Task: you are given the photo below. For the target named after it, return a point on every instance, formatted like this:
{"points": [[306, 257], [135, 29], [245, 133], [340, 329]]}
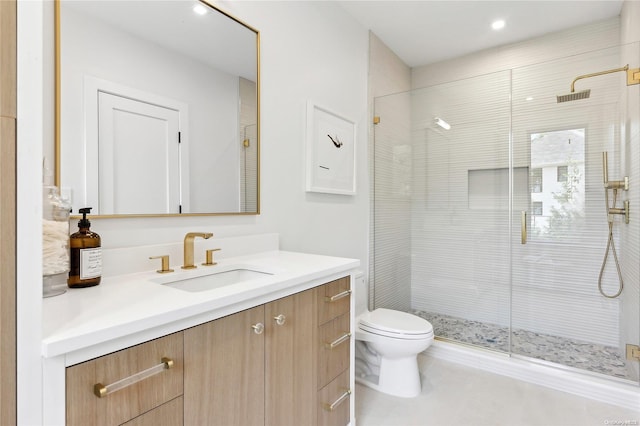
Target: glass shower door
{"points": [[559, 220], [441, 239]]}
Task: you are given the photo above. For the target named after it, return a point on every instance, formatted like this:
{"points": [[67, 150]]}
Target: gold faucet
{"points": [[188, 247]]}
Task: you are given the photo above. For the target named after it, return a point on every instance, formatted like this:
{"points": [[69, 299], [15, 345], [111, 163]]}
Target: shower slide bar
{"points": [[612, 210], [614, 185]]}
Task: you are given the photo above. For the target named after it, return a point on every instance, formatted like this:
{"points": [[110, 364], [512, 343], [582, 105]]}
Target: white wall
{"points": [[309, 50]]}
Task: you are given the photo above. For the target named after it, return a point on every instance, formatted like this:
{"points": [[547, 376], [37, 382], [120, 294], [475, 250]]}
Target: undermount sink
{"points": [[213, 280]]}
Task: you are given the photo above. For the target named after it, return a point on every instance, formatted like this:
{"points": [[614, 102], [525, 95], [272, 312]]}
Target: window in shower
{"points": [[557, 187]]}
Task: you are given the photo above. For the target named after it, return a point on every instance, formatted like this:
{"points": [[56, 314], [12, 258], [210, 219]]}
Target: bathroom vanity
{"points": [[268, 349]]}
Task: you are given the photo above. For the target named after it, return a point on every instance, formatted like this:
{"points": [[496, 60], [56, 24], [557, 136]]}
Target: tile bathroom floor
{"points": [[457, 395]]}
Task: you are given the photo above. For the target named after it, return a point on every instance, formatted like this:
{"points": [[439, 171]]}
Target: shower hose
{"points": [[610, 247]]}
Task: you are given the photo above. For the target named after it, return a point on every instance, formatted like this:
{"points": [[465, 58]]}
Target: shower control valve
{"points": [[618, 184], [623, 211]]}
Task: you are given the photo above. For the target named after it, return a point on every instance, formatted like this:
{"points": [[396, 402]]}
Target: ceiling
{"points": [[421, 32]]}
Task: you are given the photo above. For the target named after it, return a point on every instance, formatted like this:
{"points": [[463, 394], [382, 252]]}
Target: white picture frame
{"points": [[331, 152]]}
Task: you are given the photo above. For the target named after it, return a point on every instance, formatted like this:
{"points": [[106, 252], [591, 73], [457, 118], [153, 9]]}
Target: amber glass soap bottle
{"points": [[85, 255]]}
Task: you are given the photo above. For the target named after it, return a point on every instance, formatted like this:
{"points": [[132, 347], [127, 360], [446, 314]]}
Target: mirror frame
{"points": [[58, 110]]}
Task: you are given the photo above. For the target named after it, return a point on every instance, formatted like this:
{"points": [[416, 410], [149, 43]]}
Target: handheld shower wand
{"points": [[614, 186]]}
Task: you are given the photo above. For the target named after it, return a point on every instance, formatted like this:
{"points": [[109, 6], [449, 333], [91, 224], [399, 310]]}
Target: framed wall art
{"points": [[331, 152]]}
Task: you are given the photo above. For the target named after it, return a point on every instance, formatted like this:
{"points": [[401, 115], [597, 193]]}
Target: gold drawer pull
{"points": [[338, 341], [337, 402], [101, 390], [337, 296]]}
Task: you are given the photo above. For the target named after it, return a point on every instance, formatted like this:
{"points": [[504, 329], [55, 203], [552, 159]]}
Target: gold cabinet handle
{"points": [[344, 338], [337, 296], [280, 319], [101, 390], [523, 227], [258, 328], [337, 402]]}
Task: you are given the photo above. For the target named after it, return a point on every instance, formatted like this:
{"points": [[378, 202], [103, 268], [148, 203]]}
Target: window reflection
{"points": [[556, 183]]}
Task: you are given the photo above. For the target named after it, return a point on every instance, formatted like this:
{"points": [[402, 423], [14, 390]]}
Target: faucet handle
{"points": [[165, 264], [209, 261]]}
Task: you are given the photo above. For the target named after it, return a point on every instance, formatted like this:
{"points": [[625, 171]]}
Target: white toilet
{"points": [[387, 346]]}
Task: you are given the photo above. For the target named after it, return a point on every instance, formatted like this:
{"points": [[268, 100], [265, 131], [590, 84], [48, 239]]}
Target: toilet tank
{"points": [[362, 293]]}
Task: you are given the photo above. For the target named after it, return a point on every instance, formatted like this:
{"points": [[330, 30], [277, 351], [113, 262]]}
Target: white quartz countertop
{"points": [[131, 304]]}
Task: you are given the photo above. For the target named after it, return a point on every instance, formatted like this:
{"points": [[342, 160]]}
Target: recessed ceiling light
{"points": [[199, 9], [498, 25]]}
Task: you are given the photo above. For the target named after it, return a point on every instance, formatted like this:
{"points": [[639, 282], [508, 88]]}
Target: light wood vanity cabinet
{"points": [[282, 363], [255, 367], [272, 365], [224, 371], [334, 352], [140, 398]]}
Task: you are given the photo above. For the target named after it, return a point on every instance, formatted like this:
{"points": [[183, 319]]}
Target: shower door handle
{"points": [[523, 227]]}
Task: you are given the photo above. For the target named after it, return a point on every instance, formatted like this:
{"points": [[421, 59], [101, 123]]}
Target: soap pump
{"points": [[86, 255]]}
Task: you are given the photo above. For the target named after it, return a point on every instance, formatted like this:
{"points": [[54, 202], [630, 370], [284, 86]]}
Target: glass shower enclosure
{"points": [[490, 216]]}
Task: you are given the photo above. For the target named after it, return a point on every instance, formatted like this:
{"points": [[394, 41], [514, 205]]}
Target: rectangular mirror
{"points": [[157, 108]]}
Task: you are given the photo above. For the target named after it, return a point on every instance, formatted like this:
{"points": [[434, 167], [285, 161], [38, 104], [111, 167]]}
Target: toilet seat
{"points": [[396, 324]]}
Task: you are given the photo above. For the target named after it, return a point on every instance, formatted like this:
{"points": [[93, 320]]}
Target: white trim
{"points": [[34, 18], [584, 385]]}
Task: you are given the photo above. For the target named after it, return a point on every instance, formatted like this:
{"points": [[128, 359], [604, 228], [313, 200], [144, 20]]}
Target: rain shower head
{"points": [[633, 77], [573, 96]]}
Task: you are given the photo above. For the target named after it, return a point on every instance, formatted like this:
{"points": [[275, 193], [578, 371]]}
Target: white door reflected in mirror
{"points": [[139, 152]]}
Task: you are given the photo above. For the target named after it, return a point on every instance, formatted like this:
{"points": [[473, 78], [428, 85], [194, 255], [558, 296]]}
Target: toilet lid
{"points": [[397, 324]]}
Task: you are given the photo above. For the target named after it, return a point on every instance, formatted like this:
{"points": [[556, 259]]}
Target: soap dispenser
{"points": [[86, 255]]}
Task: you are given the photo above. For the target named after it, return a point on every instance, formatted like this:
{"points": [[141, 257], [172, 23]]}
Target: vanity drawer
{"points": [[141, 370], [333, 402], [168, 414], [334, 338], [334, 299]]}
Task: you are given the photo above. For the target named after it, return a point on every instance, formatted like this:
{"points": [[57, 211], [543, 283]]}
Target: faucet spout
{"points": [[188, 247]]}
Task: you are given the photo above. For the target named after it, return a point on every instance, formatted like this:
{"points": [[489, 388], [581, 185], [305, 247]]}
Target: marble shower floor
{"points": [[573, 353]]}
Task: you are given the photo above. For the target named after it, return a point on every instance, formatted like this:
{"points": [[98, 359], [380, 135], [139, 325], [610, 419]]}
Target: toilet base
{"points": [[398, 377]]}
